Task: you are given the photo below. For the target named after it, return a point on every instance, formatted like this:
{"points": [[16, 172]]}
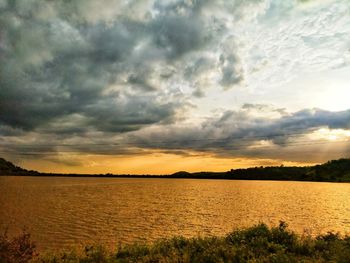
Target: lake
{"points": [[61, 212]]}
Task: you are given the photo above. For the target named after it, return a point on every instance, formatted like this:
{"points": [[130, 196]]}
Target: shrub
{"points": [[18, 249], [255, 244]]}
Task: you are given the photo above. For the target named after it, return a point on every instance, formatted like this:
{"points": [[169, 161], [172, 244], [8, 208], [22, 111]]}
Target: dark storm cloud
{"points": [[139, 81], [177, 35], [97, 76], [232, 134], [61, 58], [239, 130], [112, 43], [59, 66], [306, 119], [129, 115]]}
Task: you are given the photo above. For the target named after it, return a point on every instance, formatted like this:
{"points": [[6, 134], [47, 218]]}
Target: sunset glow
{"points": [[153, 87], [174, 131]]}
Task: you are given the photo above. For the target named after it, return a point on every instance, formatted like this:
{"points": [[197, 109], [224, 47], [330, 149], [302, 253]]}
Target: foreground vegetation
{"points": [[256, 244]]}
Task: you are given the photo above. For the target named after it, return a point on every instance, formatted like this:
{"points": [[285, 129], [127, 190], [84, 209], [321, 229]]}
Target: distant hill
{"points": [[332, 171], [8, 168]]}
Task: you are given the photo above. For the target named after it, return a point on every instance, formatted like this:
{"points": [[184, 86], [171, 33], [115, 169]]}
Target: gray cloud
{"points": [[239, 133], [230, 74], [60, 66], [177, 35], [90, 71], [235, 132], [62, 58]]}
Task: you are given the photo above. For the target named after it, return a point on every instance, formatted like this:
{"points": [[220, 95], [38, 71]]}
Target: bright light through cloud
{"points": [[336, 92], [225, 79], [331, 135]]}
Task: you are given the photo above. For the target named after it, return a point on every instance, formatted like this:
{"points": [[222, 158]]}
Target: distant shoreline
{"points": [[162, 177], [332, 171]]}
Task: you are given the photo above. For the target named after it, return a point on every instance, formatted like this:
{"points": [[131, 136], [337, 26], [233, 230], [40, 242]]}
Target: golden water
{"points": [[63, 212]]}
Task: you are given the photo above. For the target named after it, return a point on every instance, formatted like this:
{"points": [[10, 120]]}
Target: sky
{"points": [[159, 86]]}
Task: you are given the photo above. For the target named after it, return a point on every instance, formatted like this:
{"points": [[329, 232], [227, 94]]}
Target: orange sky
{"points": [[154, 163], [165, 86]]}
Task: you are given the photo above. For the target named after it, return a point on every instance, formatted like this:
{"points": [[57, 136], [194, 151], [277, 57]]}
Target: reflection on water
{"points": [[64, 212]]}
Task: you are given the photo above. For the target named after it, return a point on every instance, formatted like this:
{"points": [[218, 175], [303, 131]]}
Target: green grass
{"points": [[255, 244]]}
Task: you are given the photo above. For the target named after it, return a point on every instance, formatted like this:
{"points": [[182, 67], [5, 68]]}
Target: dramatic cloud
{"points": [[137, 74], [254, 130], [232, 128], [60, 66]]}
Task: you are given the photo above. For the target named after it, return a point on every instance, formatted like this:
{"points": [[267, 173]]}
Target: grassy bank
{"points": [[255, 244]]}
